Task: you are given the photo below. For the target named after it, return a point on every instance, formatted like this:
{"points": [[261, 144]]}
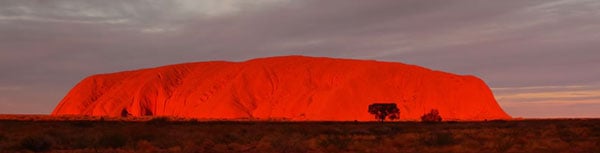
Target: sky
{"points": [[541, 58]]}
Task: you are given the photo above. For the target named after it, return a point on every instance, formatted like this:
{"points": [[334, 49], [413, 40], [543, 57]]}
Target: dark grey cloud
{"points": [[48, 46]]}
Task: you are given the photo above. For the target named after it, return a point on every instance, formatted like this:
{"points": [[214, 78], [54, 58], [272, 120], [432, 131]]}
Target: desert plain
{"points": [[40, 133]]}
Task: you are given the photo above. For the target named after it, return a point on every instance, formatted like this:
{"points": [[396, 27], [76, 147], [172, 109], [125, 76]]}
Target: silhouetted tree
{"points": [[432, 116], [384, 110]]}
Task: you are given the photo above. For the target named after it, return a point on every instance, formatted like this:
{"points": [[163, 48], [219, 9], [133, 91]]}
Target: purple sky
{"points": [[540, 57]]}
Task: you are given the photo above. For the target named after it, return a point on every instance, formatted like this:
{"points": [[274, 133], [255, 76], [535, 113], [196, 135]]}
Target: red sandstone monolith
{"points": [[291, 87]]}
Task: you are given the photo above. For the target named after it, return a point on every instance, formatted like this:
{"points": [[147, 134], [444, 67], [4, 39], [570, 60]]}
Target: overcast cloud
{"points": [[540, 57]]}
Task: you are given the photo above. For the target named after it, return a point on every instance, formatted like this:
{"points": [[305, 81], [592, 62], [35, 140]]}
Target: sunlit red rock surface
{"points": [[291, 88]]}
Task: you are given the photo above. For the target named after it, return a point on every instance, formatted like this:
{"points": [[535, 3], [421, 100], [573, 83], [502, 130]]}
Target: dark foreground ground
{"points": [[161, 135]]}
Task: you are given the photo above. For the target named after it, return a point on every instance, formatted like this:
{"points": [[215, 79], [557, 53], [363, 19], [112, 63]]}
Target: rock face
{"points": [[290, 87]]}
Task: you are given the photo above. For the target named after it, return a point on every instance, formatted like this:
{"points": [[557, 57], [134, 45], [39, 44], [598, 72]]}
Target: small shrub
{"points": [[338, 141], [2, 137], [80, 142], [227, 138], [192, 122], [82, 124], [438, 139], [37, 143], [63, 139], [360, 132], [596, 131], [504, 143], [149, 133], [246, 137], [112, 140], [432, 117], [568, 135], [145, 146], [289, 143], [167, 141], [159, 121], [332, 131], [498, 121], [381, 130]]}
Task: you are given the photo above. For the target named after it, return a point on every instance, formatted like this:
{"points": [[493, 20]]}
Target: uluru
{"points": [[296, 88]]}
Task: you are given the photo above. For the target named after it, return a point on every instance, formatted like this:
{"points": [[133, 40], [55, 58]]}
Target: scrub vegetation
{"points": [[165, 135]]}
